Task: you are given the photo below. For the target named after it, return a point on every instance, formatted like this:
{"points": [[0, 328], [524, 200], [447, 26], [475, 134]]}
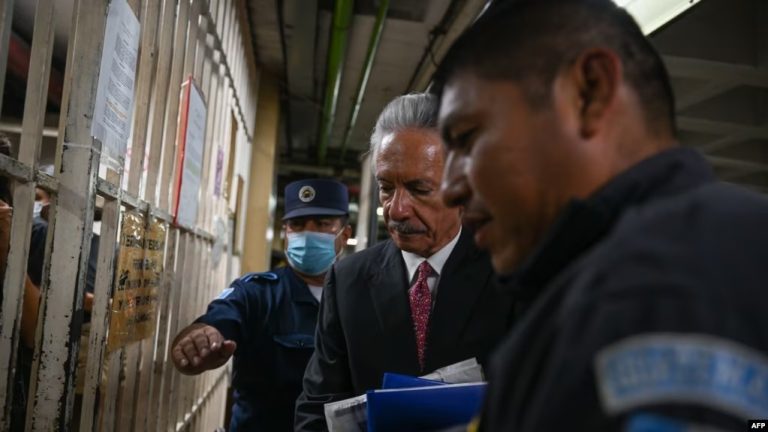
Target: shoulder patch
{"points": [[692, 369], [645, 422], [270, 276], [224, 294]]}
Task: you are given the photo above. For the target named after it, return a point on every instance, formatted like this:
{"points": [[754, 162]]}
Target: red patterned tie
{"points": [[421, 305]]}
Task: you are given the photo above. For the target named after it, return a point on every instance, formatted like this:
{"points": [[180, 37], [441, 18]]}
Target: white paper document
{"points": [[350, 415], [192, 169], [113, 108]]}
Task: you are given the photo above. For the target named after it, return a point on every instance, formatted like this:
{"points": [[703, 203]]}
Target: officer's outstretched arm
{"points": [[200, 347]]}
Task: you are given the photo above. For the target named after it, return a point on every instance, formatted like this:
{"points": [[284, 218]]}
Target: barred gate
{"points": [[132, 387]]}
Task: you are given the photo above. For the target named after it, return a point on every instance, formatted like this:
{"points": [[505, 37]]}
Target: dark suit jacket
{"points": [[365, 329]]}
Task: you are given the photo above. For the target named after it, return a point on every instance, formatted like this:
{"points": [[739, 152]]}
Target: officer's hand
{"points": [[200, 347]]}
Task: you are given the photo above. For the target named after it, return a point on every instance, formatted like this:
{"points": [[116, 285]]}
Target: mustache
{"points": [[405, 228]]}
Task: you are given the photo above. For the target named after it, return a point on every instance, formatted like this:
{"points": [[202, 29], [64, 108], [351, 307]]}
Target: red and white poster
{"points": [[189, 160]]}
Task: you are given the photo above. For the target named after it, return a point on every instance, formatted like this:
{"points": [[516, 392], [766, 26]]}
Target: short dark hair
{"points": [[530, 41]]}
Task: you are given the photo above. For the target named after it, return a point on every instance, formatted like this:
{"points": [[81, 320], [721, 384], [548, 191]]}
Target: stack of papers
{"points": [[449, 396]]}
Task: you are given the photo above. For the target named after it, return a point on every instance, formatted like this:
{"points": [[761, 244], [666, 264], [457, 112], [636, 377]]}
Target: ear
{"points": [[597, 74], [345, 235]]}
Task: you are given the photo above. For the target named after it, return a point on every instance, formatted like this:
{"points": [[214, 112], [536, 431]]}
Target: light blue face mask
{"points": [[311, 253]]}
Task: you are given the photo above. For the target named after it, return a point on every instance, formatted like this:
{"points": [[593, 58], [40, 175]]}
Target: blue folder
{"points": [[423, 408], [396, 380]]}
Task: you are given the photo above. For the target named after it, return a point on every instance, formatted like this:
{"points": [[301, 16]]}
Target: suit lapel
{"points": [[389, 290], [463, 280]]}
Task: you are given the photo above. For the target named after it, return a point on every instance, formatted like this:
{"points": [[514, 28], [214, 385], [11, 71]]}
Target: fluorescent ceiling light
{"points": [[652, 14]]}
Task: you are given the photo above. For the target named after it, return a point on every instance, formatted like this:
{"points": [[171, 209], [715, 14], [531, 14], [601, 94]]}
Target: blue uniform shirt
{"points": [[272, 317]]}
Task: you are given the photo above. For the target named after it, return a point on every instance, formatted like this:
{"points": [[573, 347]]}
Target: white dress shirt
{"points": [[437, 261], [316, 290]]}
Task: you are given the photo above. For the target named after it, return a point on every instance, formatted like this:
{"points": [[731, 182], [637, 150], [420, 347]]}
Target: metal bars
{"points": [[135, 387], [14, 283]]}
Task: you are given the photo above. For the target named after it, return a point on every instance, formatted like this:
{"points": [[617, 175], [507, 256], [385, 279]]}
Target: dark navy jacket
{"points": [[646, 309], [272, 317]]}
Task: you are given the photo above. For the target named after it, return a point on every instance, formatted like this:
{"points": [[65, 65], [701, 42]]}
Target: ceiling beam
{"points": [[738, 164], [441, 38], [337, 51], [705, 92], [721, 128], [756, 188], [301, 16], [724, 142], [373, 47], [686, 67]]}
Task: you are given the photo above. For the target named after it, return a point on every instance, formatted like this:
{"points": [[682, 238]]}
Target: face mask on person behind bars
{"points": [[311, 253]]}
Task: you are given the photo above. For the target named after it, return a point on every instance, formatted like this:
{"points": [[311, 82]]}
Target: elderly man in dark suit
{"points": [[420, 301]]}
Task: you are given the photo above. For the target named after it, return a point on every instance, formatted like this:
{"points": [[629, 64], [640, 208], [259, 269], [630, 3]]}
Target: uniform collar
{"points": [[585, 222], [298, 288]]}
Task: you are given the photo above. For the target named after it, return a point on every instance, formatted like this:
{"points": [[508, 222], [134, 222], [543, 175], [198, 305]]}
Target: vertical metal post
{"points": [[183, 25], [144, 82], [6, 17], [97, 341], [107, 415], [52, 385], [184, 263], [160, 104], [24, 195], [161, 367]]}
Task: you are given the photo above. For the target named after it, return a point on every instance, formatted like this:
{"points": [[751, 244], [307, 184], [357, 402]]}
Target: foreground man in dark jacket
{"points": [[645, 280]]}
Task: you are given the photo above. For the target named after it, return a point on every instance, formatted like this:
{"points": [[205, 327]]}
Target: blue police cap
{"points": [[316, 197]]}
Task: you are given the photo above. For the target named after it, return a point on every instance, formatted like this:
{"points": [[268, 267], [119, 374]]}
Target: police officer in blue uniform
{"points": [[267, 320]]}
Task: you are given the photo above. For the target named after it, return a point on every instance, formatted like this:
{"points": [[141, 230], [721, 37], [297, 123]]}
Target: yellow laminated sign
{"points": [[139, 269], [129, 277], [154, 254]]}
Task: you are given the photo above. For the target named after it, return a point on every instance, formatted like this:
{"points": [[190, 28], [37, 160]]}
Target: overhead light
{"points": [[652, 14]]}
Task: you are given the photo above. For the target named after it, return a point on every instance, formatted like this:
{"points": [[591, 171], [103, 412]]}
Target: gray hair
{"points": [[415, 110]]}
